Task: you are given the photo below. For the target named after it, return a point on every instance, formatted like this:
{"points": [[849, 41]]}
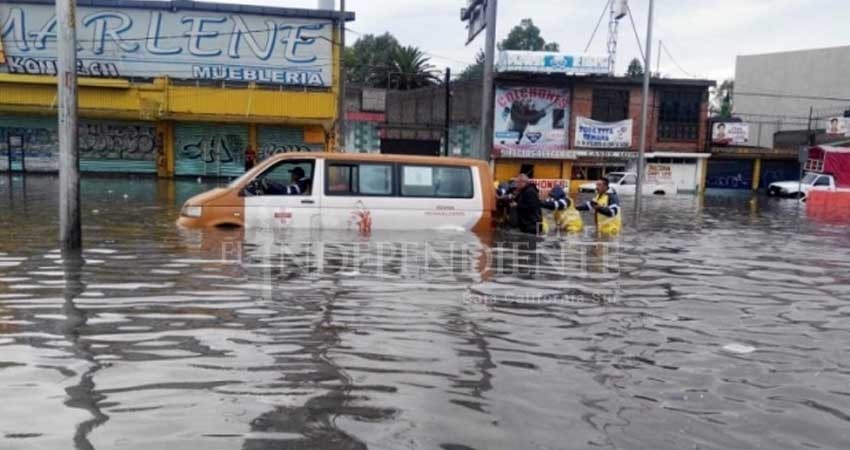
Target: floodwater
{"points": [[717, 322]]}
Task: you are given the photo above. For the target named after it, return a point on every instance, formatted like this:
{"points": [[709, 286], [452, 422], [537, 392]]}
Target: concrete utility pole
{"points": [[487, 91], [340, 136], [644, 109], [70, 234]]}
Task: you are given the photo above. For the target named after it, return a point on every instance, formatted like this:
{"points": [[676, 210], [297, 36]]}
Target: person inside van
{"points": [[527, 205], [606, 206], [299, 184]]}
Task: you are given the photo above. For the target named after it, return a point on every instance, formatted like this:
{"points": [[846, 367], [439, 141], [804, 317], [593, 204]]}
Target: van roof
{"points": [[381, 158]]}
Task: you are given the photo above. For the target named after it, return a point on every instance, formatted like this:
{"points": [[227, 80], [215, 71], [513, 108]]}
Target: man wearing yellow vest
{"points": [[606, 205]]}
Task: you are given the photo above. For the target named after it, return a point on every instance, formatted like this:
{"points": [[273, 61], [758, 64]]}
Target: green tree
{"points": [[370, 59], [411, 69], [722, 104], [635, 68], [474, 71], [526, 36]]}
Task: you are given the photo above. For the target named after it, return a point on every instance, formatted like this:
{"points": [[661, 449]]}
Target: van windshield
{"points": [[244, 177], [615, 178]]}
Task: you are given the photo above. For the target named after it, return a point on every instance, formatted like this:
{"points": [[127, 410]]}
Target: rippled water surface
{"points": [[717, 322]]}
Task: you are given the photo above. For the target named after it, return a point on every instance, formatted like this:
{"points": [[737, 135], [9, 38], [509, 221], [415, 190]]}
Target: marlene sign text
{"points": [[189, 44]]}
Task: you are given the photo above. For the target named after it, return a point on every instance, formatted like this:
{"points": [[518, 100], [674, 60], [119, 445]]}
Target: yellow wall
{"points": [[163, 100]]}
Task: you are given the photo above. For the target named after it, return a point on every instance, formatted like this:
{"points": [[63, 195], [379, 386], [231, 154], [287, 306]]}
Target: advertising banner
{"points": [[147, 41], [551, 62], [531, 122], [594, 134], [838, 126], [730, 133]]}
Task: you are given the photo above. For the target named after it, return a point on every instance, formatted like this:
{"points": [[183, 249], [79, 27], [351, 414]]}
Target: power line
{"points": [[599, 22], [667, 51], [637, 37], [797, 96]]}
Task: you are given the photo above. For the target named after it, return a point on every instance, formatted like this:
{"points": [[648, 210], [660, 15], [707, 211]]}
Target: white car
{"points": [[625, 183], [799, 188]]}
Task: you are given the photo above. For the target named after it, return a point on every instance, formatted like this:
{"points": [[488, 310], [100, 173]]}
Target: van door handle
{"points": [[307, 202]]}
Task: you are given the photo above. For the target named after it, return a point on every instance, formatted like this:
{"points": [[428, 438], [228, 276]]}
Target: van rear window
{"points": [[436, 181]]}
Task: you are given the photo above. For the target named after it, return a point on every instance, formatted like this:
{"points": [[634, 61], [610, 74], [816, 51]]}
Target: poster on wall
{"points": [[531, 122], [838, 126], [544, 185], [730, 133], [659, 173], [594, 134], [147, 40]]}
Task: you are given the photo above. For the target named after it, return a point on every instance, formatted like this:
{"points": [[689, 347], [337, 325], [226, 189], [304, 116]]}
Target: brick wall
{"points": [[582, 105]]}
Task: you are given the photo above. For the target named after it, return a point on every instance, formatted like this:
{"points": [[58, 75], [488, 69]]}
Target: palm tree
{"points": [[412, 68]]}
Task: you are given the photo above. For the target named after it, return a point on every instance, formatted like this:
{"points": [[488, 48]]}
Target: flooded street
{"points": [[717, 322]]}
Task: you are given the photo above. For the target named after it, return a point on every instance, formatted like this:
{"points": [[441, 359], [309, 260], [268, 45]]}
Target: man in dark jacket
{"points": [[527, 200]]}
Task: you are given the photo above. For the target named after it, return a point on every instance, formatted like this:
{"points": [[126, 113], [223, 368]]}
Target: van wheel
{"points": [[659, 193], [799, 195]]}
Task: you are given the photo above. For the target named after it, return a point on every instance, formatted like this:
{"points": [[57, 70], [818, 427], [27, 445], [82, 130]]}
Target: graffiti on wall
{"points": [[37, 142], [224, 148], [270, 149], [98, 141], [115, 141]]}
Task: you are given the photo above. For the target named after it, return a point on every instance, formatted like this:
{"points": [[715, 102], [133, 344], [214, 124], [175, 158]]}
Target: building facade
{"points": [[776, 91], [783, 102], [170, 88], [572, 129]]}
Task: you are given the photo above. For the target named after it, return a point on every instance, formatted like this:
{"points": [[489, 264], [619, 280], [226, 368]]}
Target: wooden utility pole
{"points": [[448, 123], [341, 113], [487, 91], [70, 234]]}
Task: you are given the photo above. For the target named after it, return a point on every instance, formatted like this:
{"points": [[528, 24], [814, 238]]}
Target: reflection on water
{"points": [[720, 322]]}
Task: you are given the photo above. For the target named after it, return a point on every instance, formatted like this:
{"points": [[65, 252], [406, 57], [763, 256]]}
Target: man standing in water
{"points": [[606, 205], [527, 203]]}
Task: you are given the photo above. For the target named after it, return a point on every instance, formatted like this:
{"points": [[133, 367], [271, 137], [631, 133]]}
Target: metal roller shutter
{"points": [[210, 149]]}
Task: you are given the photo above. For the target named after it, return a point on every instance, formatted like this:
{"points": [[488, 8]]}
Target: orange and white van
{"points": [[351, 191]]}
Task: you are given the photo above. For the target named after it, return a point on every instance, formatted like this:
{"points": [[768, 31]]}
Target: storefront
{"points": [[241, 91], [750, 168], [579, 128]]}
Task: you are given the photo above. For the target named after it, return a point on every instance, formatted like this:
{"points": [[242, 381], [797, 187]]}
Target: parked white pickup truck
{"points": [[798, 189], [625, 183]]}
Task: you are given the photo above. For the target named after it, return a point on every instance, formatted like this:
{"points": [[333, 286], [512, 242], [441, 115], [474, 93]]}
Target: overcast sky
{"points": [[703, 36]]}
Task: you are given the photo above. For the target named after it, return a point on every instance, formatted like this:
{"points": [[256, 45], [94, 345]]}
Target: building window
{"points": [[610, 105], [678, 115]]}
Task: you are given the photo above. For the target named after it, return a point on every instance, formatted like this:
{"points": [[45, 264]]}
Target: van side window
{"points": [[822, 181], [289, 177], [345, 178], [629, 180], [436, 181]]}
